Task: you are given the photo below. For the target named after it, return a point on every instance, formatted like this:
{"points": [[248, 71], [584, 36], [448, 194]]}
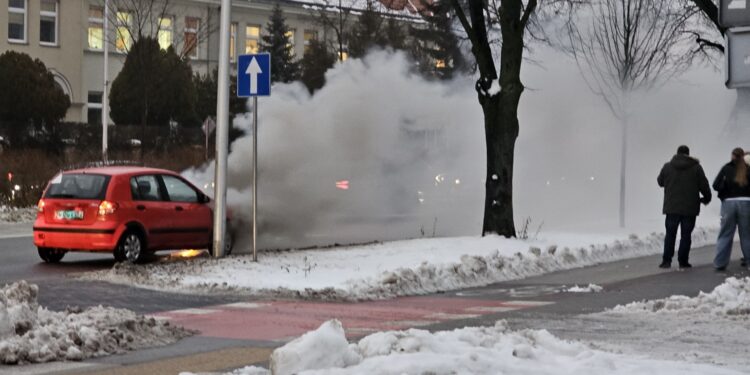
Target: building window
{"points": [[124, 39], [232, 40], [48, 13], [290, 40], [94, 105], [190, 47], [17, 18], [96, 28], [310, 35], [252, 39], [165, 33]]}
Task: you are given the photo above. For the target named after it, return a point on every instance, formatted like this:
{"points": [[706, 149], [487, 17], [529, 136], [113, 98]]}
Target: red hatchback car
{"points": [[129, 211]]}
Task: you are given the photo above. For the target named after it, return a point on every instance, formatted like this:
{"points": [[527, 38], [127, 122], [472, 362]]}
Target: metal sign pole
{"points": [[255, 178], [222, 133]]}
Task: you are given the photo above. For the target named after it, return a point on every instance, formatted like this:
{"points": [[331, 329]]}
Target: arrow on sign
{"points": [[253, 70]]}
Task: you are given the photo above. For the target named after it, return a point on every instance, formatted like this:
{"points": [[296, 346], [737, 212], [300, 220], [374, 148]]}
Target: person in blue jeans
{"points": [[685, 187], [734, 191]]}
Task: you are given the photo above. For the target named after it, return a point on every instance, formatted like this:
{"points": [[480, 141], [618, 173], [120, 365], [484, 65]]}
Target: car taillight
{"points": [[107, 208], [40, 206]]}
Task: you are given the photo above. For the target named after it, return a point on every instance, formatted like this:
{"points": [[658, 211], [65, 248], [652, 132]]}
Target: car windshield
{"points": [[78, 186]]}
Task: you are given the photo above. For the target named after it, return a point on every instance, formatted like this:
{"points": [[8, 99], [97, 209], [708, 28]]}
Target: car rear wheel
{"points": [[49, 255], [132, 248]]}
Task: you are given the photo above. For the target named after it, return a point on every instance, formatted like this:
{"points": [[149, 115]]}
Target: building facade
{"points": [[67, 35]]}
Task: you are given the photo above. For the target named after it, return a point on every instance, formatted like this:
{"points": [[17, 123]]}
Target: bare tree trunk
{"points": [[501, 130], [623, 167], [739, 121], [498, 203]]}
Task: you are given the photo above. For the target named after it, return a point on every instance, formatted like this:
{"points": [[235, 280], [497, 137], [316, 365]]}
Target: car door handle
{"points": [[178, 208], [140, 207]]}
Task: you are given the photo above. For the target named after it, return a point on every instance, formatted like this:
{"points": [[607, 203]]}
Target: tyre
{"points": [[132, 248], [49, 255], [228, 243]]}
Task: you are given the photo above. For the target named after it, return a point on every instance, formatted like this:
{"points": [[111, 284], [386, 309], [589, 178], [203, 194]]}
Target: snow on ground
{"points": [[30, 333], [730, 299], [390, 269], [709, 328], [591, 288], [477, 350], [17, 215]]}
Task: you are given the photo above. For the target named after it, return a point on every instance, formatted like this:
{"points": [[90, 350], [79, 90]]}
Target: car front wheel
{"points": [[49, 255], [132, 248]]}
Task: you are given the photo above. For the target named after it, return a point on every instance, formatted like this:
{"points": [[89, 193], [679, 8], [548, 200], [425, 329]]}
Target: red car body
{"points": [[101, 209]]}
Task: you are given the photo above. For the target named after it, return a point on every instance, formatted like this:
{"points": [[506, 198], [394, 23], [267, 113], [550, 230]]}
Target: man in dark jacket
{"points": [[684, 183]]}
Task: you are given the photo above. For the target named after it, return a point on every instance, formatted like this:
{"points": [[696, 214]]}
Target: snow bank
{"points": [[477, 350], [17, 215], [389, 269], [326, 347], [732, 298], [30, 333], [591, 288]]}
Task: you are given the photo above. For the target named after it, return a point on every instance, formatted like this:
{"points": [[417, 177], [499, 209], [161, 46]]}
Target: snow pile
{"points": [[389, 269], [30, 333], [475, 350], [17, 215], [591, 288], [323, 348], [732, 298]]}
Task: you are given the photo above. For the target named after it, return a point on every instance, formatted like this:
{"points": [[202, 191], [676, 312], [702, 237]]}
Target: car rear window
{"points": [[78, 186]]}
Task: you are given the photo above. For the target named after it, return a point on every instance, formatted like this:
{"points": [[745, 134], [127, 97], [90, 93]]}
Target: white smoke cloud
{"points": [[413, 153]]}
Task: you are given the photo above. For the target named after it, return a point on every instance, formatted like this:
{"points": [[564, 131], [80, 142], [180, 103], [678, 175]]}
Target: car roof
{"points": [[121, 170]]}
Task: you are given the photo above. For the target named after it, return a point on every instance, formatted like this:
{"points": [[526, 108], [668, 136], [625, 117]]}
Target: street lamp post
{"points": [[222, 132], [105, 92]]}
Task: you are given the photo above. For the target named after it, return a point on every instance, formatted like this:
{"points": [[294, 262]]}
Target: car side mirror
{"points": [[204, 199]]}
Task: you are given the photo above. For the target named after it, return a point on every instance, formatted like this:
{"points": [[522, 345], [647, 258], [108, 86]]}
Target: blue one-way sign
{"points": [[254, 75]]}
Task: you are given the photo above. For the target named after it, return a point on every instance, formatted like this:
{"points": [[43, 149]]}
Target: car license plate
{"points": [[69, 215]]}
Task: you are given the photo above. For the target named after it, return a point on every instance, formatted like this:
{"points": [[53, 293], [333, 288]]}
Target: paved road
{"points": [[239, 331]]}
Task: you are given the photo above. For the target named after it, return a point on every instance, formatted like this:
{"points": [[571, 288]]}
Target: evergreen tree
{"points": [[276, 42], [367, 32], [153, 87], [437, 49], [315, 63], [206, 87], [29, 97]]}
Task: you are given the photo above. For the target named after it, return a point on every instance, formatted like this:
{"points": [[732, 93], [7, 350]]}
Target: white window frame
{"points": [[233, 26], [255, 38], [119, 24], [306, 41], [56, 15], [195, 53], [94, 105], [25, 12], [170, 30], [95, 21], [291, 40]]}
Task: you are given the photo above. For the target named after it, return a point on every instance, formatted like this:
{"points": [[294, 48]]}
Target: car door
{"points": [[192, 216], [153, 211]]}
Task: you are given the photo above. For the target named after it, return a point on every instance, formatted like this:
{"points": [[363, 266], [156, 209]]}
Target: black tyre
{"points": [[132, 248], [228, 243], [49, 255]]}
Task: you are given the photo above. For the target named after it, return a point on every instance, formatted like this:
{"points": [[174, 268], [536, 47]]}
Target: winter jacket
{"points": [[684, 182], [725, 185]]}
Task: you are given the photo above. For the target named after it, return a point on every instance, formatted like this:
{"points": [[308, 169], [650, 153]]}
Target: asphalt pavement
{"points": [[526, 303]]}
